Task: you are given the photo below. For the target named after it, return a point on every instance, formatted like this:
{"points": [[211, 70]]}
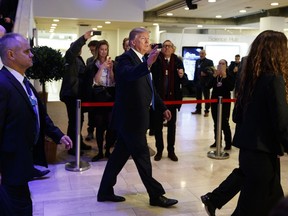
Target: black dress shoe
{"points": [[84, 146], [97, 157], [213, 145], [172, 156], [196, 112], [111, 198], [38, 173], [209, 207], [158, 156], [163, 201], [89, 137]]}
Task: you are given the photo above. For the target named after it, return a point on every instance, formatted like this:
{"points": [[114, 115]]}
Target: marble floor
{"points": [[67, 193]]}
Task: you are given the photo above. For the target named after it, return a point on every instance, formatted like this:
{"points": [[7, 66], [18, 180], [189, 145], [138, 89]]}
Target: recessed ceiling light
{"points": [[186, 8], [274, 4], [107, 22], [218, 16], [242, 11], [211, 1], [200, 26], [52, 27], [94, 29], [169, 14], [155, 24], [56, 20], [53, 24], [99, 26]]}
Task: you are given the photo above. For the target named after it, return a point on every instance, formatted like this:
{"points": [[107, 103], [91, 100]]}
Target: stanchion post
{"points": [[77, 165], [218, 154]]}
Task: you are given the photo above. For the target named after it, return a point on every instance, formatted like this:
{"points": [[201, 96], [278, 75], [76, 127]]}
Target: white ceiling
{"points": [[205, 15]]}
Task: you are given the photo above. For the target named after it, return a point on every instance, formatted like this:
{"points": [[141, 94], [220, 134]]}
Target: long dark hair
{"points": [[268, 55]]}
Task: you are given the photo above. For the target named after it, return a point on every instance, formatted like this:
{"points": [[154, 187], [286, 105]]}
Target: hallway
{"points": [[66, 193]]}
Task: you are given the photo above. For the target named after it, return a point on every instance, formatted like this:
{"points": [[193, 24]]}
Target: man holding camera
{"points": [[168, 75]]}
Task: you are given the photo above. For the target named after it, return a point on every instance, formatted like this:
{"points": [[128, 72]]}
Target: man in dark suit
{"points": [[23, 124], [134, 95], [201, 79]]}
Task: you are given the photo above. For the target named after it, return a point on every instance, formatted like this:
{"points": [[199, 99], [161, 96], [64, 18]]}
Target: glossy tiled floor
{"points": [[65, 193]]}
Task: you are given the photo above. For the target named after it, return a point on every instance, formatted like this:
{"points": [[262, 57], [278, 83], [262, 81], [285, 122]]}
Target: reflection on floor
{"points": [[65, 193]]}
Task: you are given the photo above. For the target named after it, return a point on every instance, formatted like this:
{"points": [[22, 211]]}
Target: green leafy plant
{"points": [[48, 65]]}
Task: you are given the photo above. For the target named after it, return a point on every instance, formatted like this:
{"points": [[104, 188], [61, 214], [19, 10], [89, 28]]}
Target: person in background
{"points": [[91, 110], [23, 113], [125, 46], [2, 33], [101, 80], [168, 75], [234, 68], [222, 84], [8, 9], [72, 88], [261, 134], [201, 79], [135, 93]]}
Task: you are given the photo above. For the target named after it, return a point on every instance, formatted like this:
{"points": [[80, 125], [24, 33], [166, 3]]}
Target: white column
{"points": [[272, 23]]}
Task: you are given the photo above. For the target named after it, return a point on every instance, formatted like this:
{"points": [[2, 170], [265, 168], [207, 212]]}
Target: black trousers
{"points": [[134, 144], [206, 92], [15, 200], [258, 181], [261, 189], [71, 106], [225, 121], [171, 129]]}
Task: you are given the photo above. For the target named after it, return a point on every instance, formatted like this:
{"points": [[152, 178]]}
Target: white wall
{"points": [[180, 40]]}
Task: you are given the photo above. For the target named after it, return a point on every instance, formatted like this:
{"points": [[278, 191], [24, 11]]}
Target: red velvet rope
{"points": [[106, 104]]}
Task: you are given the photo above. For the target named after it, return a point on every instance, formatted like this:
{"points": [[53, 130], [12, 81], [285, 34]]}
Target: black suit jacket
{"points": [[17, 131], [202, 65], [133, 94], [264, 125]]}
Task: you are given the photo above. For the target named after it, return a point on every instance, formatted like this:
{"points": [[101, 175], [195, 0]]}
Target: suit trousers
{"points": [[134, 144], [171, 130], [15, 200], [206, 92], [225, 121]]}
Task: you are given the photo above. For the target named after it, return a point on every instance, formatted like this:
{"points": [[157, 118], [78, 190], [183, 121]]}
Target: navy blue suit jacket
{"points": [[18, 153], [133, 94]]}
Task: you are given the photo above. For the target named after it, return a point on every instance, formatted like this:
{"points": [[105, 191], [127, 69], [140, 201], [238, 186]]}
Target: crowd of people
{"points": [[139, 81]]}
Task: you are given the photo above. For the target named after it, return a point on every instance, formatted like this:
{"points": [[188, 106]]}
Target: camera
{"points": [[95, 33], [159, 45]]}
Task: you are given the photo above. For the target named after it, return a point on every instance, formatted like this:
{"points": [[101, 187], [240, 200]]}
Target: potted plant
{"points": [[48, 65]]}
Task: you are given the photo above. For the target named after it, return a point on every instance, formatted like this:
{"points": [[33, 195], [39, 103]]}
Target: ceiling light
{"points": [[211, 1], [56, 20], [199, 26], [274, 4], [52, 27], [53, 24], [242, 11], [218, 16], [186, 8], [155, 24], [169, 14], [99, 26], [94, 29], [107, 22]]}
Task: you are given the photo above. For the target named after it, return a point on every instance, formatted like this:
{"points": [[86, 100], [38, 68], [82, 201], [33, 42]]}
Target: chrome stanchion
{"points": [[218, 154], [77, 165]]}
